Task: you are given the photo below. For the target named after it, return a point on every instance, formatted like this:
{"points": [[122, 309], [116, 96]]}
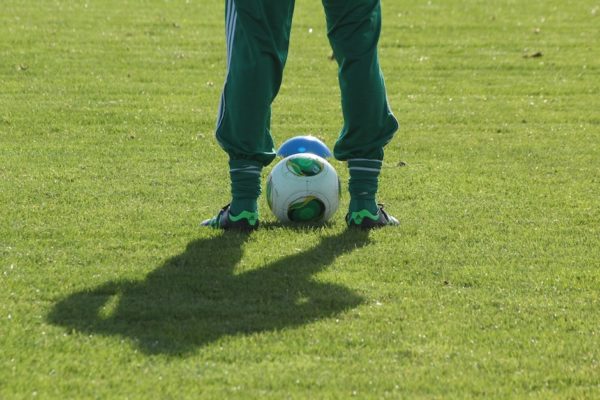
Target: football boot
{"points": [[364, 219], [244, 221]]}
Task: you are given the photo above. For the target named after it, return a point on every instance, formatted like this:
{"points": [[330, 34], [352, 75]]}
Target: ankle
{"points": [[245, 185], [240, 205], [363, 184], [363, 204]]}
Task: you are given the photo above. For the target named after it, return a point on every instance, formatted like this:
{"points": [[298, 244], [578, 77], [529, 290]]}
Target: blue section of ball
{"points": [[304, 144]]}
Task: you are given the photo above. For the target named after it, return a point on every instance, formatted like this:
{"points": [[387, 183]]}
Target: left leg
{"points": [[354, 27], [353, 30]]}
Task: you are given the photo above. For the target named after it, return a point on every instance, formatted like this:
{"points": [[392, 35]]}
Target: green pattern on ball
{"points": [[309, 209], [303, 166]]}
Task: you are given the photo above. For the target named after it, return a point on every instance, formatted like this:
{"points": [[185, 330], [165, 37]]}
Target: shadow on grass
{"points": [[195, 298]]}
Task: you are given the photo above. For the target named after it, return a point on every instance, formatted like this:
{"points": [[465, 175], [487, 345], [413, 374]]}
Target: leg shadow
{"points": [[195, 298]]}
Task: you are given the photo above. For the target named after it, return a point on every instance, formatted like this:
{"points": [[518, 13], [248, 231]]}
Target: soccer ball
{"points": [[303, 188]]}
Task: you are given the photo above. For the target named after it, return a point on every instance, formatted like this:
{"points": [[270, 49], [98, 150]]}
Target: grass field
{"points": [[490, 288]]}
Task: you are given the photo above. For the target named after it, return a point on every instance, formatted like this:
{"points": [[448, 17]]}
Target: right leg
{"points": [[257, 34]]}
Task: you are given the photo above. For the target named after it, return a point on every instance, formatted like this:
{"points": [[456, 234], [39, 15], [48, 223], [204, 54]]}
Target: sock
{"points": [[364, 178], [245, 185]]}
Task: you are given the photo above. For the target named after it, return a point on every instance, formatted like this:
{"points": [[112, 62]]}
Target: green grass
{"points": [[490, 288]]}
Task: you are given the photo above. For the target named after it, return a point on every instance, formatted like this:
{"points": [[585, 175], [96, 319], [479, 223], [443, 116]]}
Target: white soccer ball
{"points": [[303, 188]]}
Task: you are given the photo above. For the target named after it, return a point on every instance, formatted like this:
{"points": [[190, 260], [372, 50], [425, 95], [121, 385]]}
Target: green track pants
{"points": [[258, 33]]}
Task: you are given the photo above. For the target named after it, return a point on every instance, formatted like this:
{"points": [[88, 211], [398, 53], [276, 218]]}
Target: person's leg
{"points": [[257, 33], [353, 30]]}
